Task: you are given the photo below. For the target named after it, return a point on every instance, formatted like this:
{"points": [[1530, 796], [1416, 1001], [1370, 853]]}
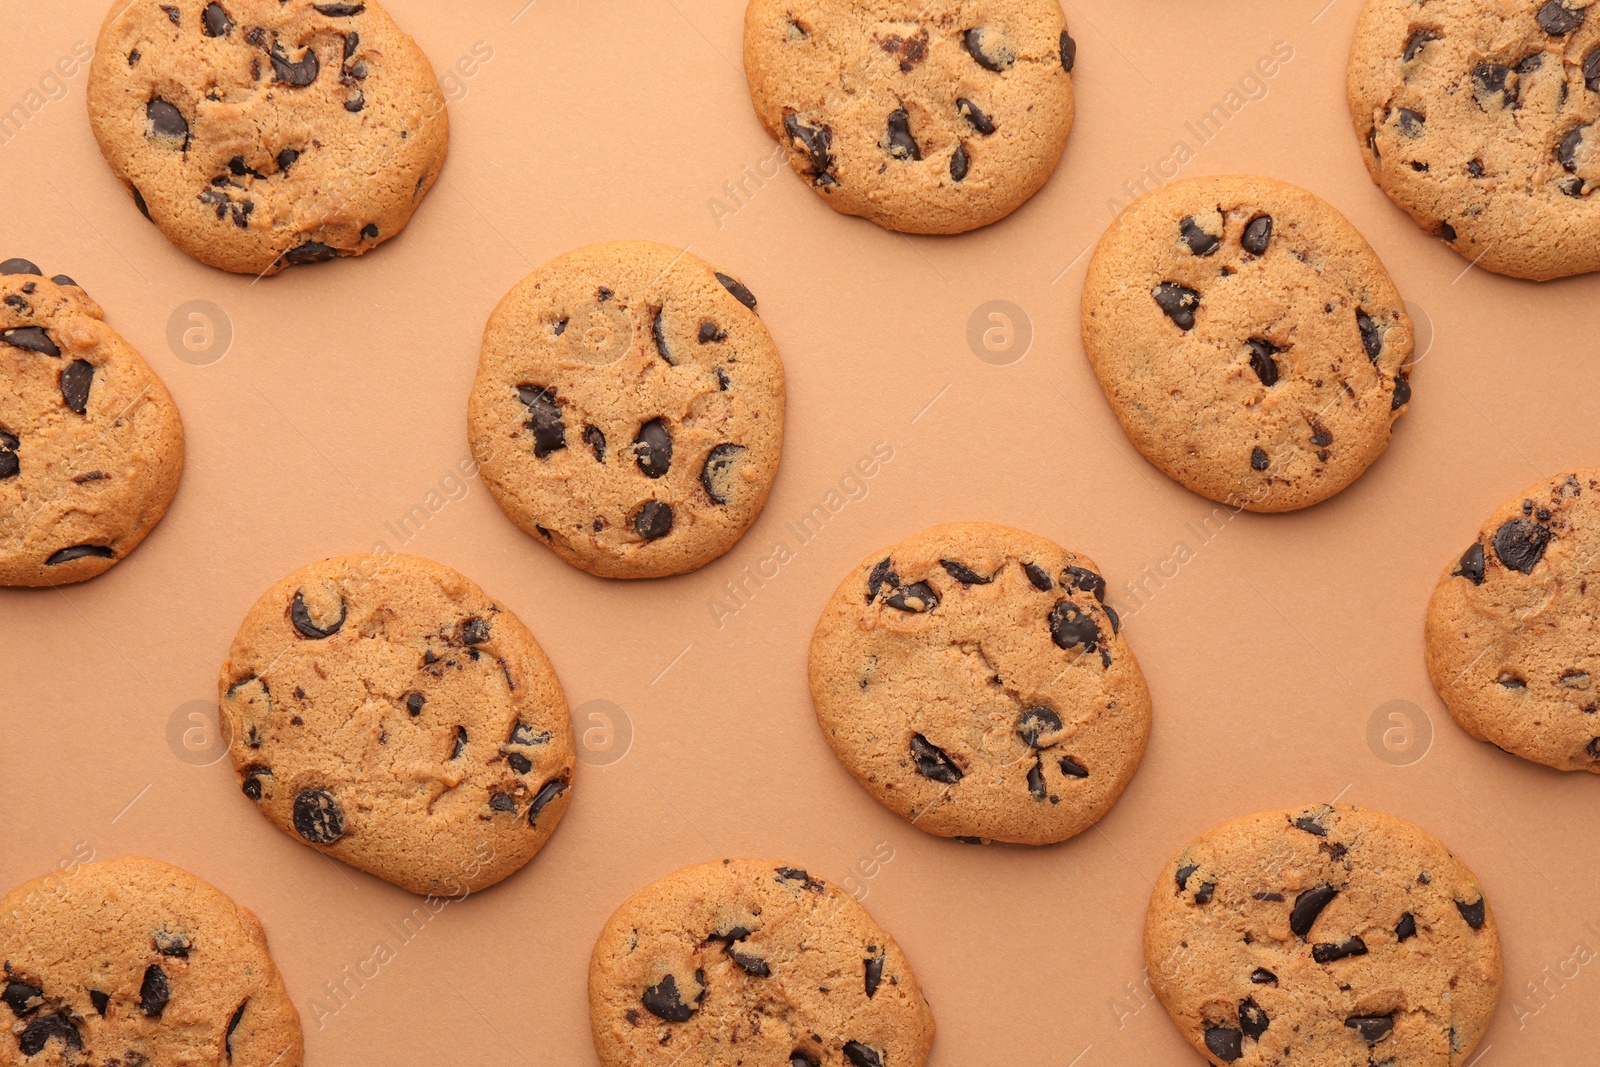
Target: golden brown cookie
{"points": [[973, 680], [386, 711], [742, 962], [1329, 936], [91, 446]]}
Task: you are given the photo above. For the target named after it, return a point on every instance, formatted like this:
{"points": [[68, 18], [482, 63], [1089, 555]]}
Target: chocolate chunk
{"points": [[310, 252], [549, 431], [1179, 302], [138, 201], [340, 11], [460, 743], [1558, 20], [750, 964], [716, 475], [18, 265], [1206, 891], [169, 943], [1471, 565], [59, 1025], [653, 521], [800, 1059], [1591, 70], [901, 144], [882, 575], [298, 74], [975, 116], [1036, 780], [1184, 873], [166, 121], [76, 377], [10, 462], [959, 164], [1352, 946], [874, 972], [997, 60], [1036, 723], [1371, 336], [473, 630], [795, 874], [963, 573], [414, 703], [354, 103], [1406, 928], [541, 800], [1071, 768], [300, 616], [1257, 235], [1252, 1020], [1402, 393], [67, 555], [251, 785], [1489, 80], [1414, 45], [709, 333], [1372, 1028], [1307, 906], [734, 286], [862, 1055], [932, 762], [369, 231], [154, 992], [502, 802], [1262, 976], [1225, 1043], [596, 440], [1311, 824], [1567, 151], [1199, 241], [1069, 52], [215, 21], [1071, 627], [318, 817], [20, 997], [31, 338], [1086, 580], [816, 143], [1038, 576], [916, 598], [287, 157], [101, 1002], [233, 1024], [1520, 544], [519, 763], [1261, 361], [1412, 123], [652, 448], [663, 1001], [1473, 913]]}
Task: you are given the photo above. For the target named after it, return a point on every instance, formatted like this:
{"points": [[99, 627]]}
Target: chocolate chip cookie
{"points": [[934, 117], [741, 962], [974, 680], [1478, 117], [1512, 644], [1248, 339], [385, 711], [131, 962], [91, 445], [628, 409], [263, 134], [1330, 936]]}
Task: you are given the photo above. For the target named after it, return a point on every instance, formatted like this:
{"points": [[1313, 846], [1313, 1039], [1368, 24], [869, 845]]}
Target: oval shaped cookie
{"points": [[628, 409], [263, 134], [132, 961], [923, 117], [1478, 117], [1248, 339], [973, 680], [1511, 641], [742, 962], [91, 445], [1323, 937], [384, 710]]}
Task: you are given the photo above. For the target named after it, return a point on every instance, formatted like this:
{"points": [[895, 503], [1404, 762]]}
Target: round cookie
{"points": [[972, 679], [1329, 936], [262, 134], [628, 409], [935, 117], [132, 961], [91, 446], [385, 711], [1478, 117], [1248, 339], [1511, 640], [749, 962]]}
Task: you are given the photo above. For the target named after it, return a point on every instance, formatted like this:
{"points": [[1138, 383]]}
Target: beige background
{"points": [[340, 406]]}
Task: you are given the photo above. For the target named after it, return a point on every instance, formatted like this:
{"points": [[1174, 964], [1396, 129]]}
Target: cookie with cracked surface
{"points": [[628, 409], [384, 710], [746, 962], [1479, 118], [91, 445], [132, 961], [923, 117], [263, 134], [1250, 342], [972, 678], [1511, 638], [1323, 937]]}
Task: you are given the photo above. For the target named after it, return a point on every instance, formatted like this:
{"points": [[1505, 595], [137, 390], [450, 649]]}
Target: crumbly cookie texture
{"points": [[264, 134], [91, 446], [1478, 117], [1328, 936], [923, 117], [973, 680], [741, 962], [385, 711], [628, 409], [1511, 639], [132, 961], [1249, 341]]}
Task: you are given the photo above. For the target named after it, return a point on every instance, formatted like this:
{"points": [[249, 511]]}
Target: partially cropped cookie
{"points": [[384, 710], [263, 134], [91, 445], [628, 409], [923, 117], [1250, 342], [1512, 643], [741, 962], [972, 678], [131, 962], [1478, 117], [1329, 936]]}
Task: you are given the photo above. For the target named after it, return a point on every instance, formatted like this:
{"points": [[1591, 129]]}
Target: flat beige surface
{"points": [[1269, 644]]}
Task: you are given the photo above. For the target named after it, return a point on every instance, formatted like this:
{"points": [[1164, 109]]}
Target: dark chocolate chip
{"points": [[519, 763], [549, 431], [1071, 627], [800, 1059], [663, 1001], [1184, 873], [932, 762], [1036, 723], [310, 252], [715, 475], [10, 462], [67, 555], [709, 333], [1520, 544], [653, 521], [354, 103], [460, 743], [1257, 235], [20, 997], [960, 163], [1471, 565], [1352, 946], [173, 944], [1206, 891], [975, 116], [1071, 768], [1567, 152], [216, 21], [1372, 1028], [901, 144], [1414, 45], [862, 1055], [1371, 335], [882, 575], [502, 802], [369, 231], [473, 630], [1038, 576], [1311, 824], [1199, 241], [652, 448], [300, 616], [153, 992], [1179, 302], [1225, 1043], [287, 157], [1558, 20], [318, 817], [874, 971], [340, 11], [414, 703], [1307, 906], [76, 377], [816, 143], [58, 1025], [31, 338], [174, 16], [916, 598], [1402, 393], [1262, 976], [1488, 81], [541, 800], [973, 42], [1086, 580], [595, 438], [1412, 123], [166, 120], [251, 786], [298, 74], [18, 265], [1473, 913], [1069, 52], [233, 1024], [963, 573], [138, 202], [101, 1002], [734, 286], [1252, 1020], [1475, 168], [1036, 780], [1261, 361], [795, 874], [1591, 70], [1406, 928]]}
